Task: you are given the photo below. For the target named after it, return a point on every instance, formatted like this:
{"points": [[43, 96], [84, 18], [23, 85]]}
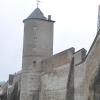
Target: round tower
{"points": [[38, 45]]}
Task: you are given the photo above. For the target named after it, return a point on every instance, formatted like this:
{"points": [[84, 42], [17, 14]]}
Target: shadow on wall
{"points": [[94, 89]]}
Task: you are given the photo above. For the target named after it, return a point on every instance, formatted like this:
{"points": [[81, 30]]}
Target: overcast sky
{"points": [[76, 26]]}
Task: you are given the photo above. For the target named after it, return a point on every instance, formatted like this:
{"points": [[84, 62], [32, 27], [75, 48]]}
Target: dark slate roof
{"points": [[37, 14]]}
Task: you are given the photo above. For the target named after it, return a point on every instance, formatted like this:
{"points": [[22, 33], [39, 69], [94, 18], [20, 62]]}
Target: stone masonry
{"points": [[68, 75]]}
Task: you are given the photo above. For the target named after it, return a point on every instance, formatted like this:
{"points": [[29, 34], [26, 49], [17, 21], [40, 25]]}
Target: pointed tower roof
{"points": [[37, 14]]}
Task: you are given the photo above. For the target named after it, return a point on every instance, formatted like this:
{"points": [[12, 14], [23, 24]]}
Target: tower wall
{"points": [[38, 38], [38, 45], [98, 23]]}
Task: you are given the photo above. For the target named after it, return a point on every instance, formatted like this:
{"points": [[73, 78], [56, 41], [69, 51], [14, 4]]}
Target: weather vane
{"points": [[38, 1]]}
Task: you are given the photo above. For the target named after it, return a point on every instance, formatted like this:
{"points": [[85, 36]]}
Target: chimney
{"points": [[49, 17]]}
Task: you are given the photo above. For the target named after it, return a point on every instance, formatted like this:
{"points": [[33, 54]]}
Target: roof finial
{"points": [[38, 1]]}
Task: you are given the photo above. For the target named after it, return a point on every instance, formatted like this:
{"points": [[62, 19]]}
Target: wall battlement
{"points": [[79, 56], [57, 60]]}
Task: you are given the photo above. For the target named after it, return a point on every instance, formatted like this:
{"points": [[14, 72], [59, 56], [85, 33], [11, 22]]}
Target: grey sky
{"points": [[76, 26]]}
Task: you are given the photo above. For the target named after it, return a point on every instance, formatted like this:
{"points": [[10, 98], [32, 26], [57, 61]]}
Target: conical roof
{"points": [[37, 14]]}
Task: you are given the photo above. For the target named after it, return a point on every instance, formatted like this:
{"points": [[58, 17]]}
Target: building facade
{"points": [[68, 75]]}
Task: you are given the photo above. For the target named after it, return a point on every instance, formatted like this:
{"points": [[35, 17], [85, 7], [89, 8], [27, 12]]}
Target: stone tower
{"points": [[38, 45], [98, 23]]}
